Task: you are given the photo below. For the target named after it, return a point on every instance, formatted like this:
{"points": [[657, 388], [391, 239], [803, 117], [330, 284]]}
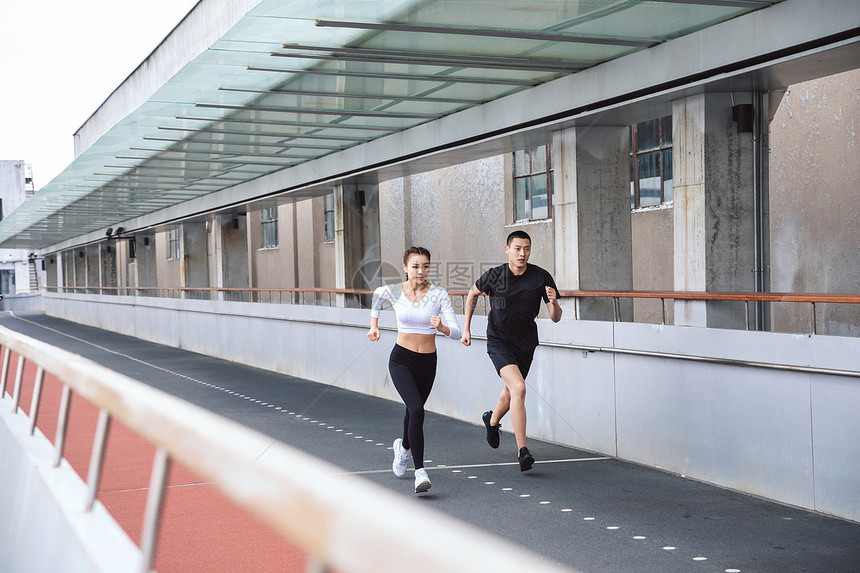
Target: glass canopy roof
{"points": [[295, 80]]}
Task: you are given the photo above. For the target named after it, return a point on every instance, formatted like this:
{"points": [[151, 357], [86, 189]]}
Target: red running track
{"points": [[201, 530]]}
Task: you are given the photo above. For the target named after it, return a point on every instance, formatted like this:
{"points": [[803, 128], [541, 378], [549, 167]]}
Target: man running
{"points": [[515, 290]]}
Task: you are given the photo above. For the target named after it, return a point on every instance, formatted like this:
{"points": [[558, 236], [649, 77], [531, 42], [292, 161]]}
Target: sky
{"points": [[60, 59]]}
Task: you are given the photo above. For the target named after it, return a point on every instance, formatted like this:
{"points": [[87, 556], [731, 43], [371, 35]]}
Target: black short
{"points": [[502, 355]]}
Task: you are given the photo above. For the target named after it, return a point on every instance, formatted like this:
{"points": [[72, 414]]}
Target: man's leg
{"points": [[513, 399], [502, 407]]}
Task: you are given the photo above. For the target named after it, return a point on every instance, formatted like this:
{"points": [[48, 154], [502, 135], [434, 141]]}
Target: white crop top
{"points": [[414, 317]]}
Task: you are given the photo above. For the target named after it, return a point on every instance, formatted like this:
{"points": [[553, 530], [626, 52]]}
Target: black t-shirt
{"points": [[514, 304]]}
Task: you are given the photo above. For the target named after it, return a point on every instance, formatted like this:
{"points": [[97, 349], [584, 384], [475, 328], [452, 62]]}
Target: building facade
{"points": [[20, 270]]}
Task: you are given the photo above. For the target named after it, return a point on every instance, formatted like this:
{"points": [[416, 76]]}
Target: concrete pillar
{"points": [[123, 262], [229, 258], [214, 251], [145, 272], [108, 264], [307, 221], [195, 257], [714, 209], [53, 268], [591, 210], [92, 267], [358, 260], [69, 267], [395, 216]]}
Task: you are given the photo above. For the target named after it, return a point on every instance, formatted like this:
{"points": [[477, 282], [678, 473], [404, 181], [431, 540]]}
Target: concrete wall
{"points": [[168, 272], [712, 170], [146, 265], [28, 301], [741, 427], [196, 257], [302, 257], [81, 267], [234, 252], [462, 214], [233, 259], [327, 254], [357, 241], [68, 267], [592, 203], [307, 215], [815, 192], [271, 267], [52, 270], [108, 264], [729, 210], [653, 252]]}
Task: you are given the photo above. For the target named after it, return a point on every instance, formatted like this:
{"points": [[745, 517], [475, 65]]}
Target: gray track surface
{"points": [[575, 507]]}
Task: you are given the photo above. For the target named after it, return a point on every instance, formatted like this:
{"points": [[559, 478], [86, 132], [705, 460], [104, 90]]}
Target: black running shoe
{"points": [[492, 431], [526, 459]]}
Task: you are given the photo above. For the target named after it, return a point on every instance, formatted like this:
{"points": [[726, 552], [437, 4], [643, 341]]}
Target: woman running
{"points": [[418, 306]]}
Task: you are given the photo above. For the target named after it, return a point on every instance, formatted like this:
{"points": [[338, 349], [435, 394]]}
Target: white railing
{"points": [[342, 523]]}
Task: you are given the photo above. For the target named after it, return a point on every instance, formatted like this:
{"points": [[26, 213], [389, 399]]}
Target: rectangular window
{"points": [[173, 243], [329, 217], [269, 227], [651, 162], [533, 183]]}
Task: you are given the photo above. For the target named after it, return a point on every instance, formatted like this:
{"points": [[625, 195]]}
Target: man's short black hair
{"points": [[518, 235]]}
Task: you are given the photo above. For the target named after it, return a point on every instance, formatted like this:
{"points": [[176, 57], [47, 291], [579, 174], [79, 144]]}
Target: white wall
{"points": [[737, 425]]}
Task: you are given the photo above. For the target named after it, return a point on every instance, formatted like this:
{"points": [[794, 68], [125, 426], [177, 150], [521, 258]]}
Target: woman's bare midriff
{"points": [[421, 343]]}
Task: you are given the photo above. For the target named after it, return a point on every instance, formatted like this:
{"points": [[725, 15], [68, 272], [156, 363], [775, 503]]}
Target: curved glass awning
{"points": [[295, 80]]}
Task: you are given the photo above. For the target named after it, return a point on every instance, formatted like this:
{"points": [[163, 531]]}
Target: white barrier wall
{"points": [[788, 435], [43, 525]]}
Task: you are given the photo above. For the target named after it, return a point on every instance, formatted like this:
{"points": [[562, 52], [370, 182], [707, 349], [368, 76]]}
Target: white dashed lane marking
{"points": [[589, 519]]}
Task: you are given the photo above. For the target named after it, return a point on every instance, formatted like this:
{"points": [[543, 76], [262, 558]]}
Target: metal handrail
{"points": [[853, 298], [745, 297], [266, 295], [300, 496]]}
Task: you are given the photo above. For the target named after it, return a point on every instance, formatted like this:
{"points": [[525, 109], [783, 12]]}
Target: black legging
{"points": [[413, 374]]}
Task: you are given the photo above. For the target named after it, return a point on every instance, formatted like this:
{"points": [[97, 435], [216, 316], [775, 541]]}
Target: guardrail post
{"points": [[814, 320], [152, 516], [663, 310], [62, 421], [19, 376], [37, 398], [95, 472], [7, 355]]}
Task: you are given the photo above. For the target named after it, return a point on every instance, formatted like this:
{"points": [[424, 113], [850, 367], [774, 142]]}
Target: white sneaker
{"points": [[422, 482], [401, 458]]}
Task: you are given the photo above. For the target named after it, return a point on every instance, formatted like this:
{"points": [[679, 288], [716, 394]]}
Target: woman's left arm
{"points": [[446, 310]]}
